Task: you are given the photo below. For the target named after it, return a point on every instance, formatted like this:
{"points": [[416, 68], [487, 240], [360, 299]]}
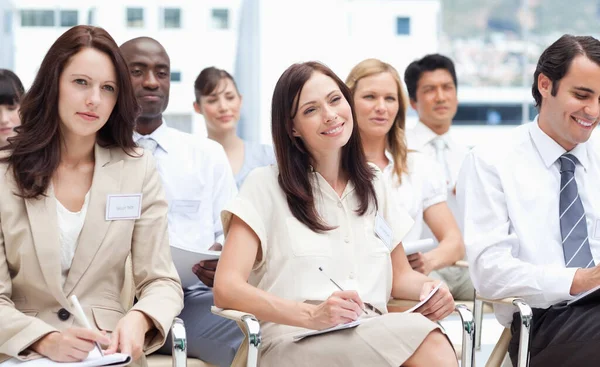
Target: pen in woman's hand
{"points": [[338, 286], [82, 319]]}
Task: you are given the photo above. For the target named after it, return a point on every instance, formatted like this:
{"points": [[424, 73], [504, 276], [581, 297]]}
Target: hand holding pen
{"points": [[341, 307], [70, 345]]}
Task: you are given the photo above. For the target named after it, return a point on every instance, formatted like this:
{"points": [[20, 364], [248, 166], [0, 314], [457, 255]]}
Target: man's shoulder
{"points": [[507, 146]]}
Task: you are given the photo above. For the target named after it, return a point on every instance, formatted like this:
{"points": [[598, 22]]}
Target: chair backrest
{"points": [[128, 291]]}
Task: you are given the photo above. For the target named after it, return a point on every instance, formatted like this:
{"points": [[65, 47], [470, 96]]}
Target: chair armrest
{"points": [[247, 322], [509, 301], [247, 354], [468, 335], [179, 339], [526, 314], [461, 264]]}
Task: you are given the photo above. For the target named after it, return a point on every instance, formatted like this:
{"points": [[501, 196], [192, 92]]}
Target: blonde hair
{"points": [[396, 140]]}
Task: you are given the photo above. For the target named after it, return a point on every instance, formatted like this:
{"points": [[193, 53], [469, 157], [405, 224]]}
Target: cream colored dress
{"points": [[351, 254]]}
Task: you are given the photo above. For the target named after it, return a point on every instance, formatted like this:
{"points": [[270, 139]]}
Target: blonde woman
{"points": [[418, 182]]}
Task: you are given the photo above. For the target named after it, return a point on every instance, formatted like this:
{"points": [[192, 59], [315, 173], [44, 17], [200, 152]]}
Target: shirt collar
{"points": [[160, 136], [550, 150], [425, 135]]}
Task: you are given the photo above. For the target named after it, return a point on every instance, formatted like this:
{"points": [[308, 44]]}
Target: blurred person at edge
{"points": [[220, 102], [11, 91]]}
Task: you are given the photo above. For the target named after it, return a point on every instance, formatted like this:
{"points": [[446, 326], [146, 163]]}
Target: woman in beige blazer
{"points": [[324, 208], [77, 199]]}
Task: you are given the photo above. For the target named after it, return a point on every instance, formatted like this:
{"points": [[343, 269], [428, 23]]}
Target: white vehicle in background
{"points": [[484, 113]]}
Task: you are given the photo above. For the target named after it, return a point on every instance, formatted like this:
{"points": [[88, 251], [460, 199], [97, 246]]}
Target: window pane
{"points": [[172, 18], [490, 114], [182, 122], [37, 18], [175, 76], [7, 22], [135, 17], [220, 18], [68, 18], [403, 26]]}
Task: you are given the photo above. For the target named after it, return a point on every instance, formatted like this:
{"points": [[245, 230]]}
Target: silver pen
{"points": [[80, 317], [338, 286]]}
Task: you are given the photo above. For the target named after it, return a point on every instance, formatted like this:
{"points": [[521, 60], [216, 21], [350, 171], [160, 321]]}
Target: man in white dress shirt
{"points": [[198, 182], [431, 84], [532, 210]]}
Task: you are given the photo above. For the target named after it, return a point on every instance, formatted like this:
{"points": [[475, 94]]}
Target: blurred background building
{"points": [[494, 43]]}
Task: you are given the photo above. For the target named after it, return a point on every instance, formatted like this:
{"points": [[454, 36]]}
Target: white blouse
{"points": [[423, 186], [70, 225], [352, 254]]}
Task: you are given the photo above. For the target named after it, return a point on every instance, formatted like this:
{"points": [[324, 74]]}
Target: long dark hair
{"points": [[293, 159], [35, 152], [11, 88]]}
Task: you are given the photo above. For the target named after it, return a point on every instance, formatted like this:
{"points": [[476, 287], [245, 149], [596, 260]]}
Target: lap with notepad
{"points": [[94, 359]]}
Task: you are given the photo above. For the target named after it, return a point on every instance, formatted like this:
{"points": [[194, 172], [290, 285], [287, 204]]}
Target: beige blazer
{"points": [[33, 301]]}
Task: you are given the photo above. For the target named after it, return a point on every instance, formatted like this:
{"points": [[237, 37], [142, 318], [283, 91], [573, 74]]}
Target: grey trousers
{"points": [[458, 281], [211, 338]]}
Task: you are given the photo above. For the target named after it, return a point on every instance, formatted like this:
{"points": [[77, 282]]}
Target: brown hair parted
{"points": [[35, 152], [11, 88], [556, 60], [396, 139], [208, 80], [294, 160]]}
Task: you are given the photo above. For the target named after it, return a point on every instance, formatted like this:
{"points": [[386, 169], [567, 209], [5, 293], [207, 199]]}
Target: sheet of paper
{"points": [[93, 360], [424, 245], [185, 259], [581, 297], [424, 300], [324, 331]]}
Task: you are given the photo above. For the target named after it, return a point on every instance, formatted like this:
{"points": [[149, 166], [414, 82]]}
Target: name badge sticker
{"points": [[383, 231], [597, 230], [185, 206], [123, 206]]}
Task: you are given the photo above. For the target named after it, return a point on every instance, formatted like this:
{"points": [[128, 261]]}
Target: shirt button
{"points": [[347, 240], [63, 314], [340, 205], [351, 276]]}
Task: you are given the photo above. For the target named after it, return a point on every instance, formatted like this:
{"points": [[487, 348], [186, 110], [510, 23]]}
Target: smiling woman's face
{"points": [[324, 117]]}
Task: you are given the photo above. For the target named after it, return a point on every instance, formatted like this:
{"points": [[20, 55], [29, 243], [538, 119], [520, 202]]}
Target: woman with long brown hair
{"points": [[78, 198], [418, 181], [324, 210]]}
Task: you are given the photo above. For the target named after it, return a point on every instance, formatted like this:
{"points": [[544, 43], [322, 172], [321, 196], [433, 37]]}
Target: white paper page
{"points": [[324, 331], [424, 300], [423, 246], [583, 295], [185, 259], [93, 360]]}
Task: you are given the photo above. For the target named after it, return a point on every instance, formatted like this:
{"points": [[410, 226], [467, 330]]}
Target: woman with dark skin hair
{"points": [[78, 199], [11, 90], [324, 208]]}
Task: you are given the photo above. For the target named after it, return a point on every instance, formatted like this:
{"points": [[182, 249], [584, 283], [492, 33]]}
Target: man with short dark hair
{"points": [[198, 182], [431, 84], [532, 210]]}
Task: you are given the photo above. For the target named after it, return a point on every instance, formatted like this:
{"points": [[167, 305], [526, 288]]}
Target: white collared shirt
{"points": [[198, 183], [510, 196], [421, 138], [423, 186]]}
